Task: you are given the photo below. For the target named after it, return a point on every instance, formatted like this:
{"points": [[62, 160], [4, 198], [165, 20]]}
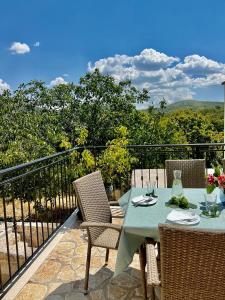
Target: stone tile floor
{"points": [[61, 276]]}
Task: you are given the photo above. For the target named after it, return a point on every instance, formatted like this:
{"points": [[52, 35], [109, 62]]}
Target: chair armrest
{"points": [[85, 225], [152, 269], [114, 203]]}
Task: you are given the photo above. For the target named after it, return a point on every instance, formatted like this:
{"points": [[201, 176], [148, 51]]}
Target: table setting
{"points": [[143, 200], [144, 212], [149, 198]]}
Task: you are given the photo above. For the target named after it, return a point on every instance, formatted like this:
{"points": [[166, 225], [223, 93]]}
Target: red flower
{"points": [[211, 179], [221, 180]]}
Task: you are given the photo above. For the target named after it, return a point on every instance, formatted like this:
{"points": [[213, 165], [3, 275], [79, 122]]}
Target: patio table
{"points": [[142, 221]]}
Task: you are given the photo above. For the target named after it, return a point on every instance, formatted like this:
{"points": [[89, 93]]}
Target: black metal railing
{"points": [[35, 200], [151, 159], [37, 197]]}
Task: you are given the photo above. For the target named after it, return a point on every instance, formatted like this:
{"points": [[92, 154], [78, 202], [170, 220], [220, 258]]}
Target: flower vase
{"points": [[177, 188], [220, 194]]}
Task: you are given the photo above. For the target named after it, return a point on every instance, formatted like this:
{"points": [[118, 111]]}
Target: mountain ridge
{"points": [[195, 105]]}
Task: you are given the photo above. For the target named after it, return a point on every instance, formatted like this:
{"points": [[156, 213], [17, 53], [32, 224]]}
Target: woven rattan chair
{"points": [[97, 218], [192, 264], [193, 172]]}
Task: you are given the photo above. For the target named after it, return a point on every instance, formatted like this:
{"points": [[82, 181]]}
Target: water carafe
{"points": [[177, 188]]}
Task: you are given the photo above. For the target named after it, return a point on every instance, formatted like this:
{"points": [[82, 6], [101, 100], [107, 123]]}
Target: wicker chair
{"points": [[192, 264], [193, 172], [97, 218]]}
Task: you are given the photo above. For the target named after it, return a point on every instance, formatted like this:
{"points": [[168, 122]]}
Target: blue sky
{"points": [[173, 48]]}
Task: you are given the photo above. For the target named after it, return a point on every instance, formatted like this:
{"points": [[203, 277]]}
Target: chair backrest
{"points": [[193, 172], [93, 201], [192, 263]]}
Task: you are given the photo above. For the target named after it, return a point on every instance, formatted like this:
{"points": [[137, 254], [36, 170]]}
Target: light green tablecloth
{"points": [[141, 222]]}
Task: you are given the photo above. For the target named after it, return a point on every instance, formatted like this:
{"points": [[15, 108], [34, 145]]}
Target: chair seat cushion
{"points": [[109, 238]]}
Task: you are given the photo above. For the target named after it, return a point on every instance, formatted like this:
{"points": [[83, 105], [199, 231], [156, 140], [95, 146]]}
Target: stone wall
{"points": [[35, 233], [32, 232]]}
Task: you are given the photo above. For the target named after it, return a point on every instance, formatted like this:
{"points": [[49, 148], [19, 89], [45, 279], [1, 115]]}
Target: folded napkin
{"points": [[141, 199], [177, 215]]}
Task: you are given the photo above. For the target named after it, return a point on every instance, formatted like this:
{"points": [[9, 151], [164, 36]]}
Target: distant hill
{"points": [[195, 105]]}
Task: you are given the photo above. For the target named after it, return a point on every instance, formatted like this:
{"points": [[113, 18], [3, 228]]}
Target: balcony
{"points": [[61, 274], [43, 251]]}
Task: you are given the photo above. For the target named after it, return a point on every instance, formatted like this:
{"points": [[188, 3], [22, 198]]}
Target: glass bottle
{"points": [[177, 188]]}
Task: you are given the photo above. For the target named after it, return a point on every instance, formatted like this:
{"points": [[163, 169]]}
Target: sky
{"points": [[175, 49]]}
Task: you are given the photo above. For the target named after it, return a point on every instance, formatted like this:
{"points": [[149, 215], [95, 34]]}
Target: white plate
{"points": [[195, 221], [136, 200]]}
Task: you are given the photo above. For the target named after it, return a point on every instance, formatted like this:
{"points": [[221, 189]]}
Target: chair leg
{"points": [[158, 248], [142, 258], [87, 269], [152, 293], [107, 257]]}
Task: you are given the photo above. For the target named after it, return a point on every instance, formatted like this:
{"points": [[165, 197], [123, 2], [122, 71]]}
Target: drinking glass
{"points": [[210, 201], [150, 187]]}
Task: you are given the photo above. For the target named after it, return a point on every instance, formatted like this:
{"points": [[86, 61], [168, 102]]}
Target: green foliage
{"points": [[210, 188], [106, 105], [116, 162], [174, 201], [186, 126], [214, 212], [181, 202], [217, 170], [82, 162], [81, 140], [37, 121]]}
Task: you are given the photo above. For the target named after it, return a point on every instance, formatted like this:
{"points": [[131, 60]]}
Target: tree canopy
{"points": [[38, 120]]}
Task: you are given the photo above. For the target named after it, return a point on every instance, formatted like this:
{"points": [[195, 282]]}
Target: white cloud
{"points": [[200, 65], [153, 60], [163, 75], [57, 81], [36, 44], [148, 59], [3, 86], [19, 48]]}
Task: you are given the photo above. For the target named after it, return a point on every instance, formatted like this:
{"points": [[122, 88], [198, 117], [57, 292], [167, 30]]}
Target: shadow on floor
{"points": [[102, 286]]}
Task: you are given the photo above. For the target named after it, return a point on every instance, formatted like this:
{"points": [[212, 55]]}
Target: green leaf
{"points": [[210, 188], [217, 171]]}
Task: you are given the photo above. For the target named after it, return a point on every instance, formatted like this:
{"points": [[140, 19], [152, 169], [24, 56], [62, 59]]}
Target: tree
{"points": [[187, 126], [116, 161], [37, 120], [106, 105], [41, 120]]}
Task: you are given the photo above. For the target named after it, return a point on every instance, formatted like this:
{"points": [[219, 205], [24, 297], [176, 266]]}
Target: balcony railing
{"points": [[37, 197]]}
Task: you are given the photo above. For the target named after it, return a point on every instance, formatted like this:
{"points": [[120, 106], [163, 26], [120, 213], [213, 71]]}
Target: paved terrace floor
{"points": [[61, 276]]}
